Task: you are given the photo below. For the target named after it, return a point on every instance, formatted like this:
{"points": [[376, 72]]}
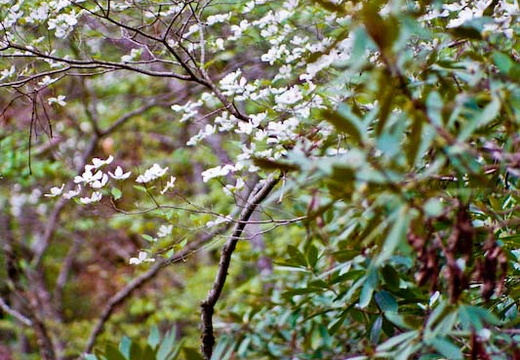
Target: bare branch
{"points": [[208, 305], [18, 316]]}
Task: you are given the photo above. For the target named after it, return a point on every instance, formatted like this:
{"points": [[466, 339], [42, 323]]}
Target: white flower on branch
{"points": [[134, 55], [289, 97], [95, 197], [189, 109], [60, 4], [60, 100], [169, 185], [98, 184], [46, 81], [164, 230], [119, 174], [55, 191], [230, 189], [220, 220], [239, 29], [7, 72], [63, 23], [38, 14], [217, 172], [87, 176], [72, 193], [219, 18], [141, 258], [151, 174], [97, 163], [219, 44], [202, 134]]}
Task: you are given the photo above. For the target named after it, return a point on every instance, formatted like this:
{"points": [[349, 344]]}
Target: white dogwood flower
{"points": [[164, 230], [72, 193], [99, 162], [60, 100], [119, 174], [142, 257], [55, 191], [98, 184], [151, 174], [87, 176], [95, 197], [217, 172]]}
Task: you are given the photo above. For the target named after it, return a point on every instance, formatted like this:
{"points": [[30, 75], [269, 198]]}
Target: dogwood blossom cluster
{"points": [[96, 179], [459, 13]]}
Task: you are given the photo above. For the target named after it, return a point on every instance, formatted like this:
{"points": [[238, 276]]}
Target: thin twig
{"points": [[18, 316], [208, 305]]}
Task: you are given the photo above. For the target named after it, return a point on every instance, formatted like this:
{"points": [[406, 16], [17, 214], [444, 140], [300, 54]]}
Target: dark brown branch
{"points": [[208, 305]]}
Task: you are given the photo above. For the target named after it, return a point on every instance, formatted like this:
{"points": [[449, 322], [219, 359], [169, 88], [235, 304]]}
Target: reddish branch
{"points": [[208, 305]]}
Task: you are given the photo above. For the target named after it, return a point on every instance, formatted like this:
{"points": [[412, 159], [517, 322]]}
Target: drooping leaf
{"points": [[397, 340], [368, 289], [375, 331]]}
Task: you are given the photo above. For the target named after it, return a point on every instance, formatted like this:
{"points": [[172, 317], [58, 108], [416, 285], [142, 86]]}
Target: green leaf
{"points": [[398, 320], [100, 355], [397, 340], [135, 352], [116, 193], [447, 349], [415, 140], [390, 277], [346, 122], [148, 238], [140, 188], [312, 256], [223, 349], [386, 301], [375, 331], [91, 357], [268, 164], [368, 289], [396, 236], [191, 354], [473, 317], [433, 207], [148, 353], [336, 324], [296, 256], [167, 346], [502, 61], [466, 32], [434, 108], [124, 346], [331, 6], [482, 118], [155, 337], [113, 353]]}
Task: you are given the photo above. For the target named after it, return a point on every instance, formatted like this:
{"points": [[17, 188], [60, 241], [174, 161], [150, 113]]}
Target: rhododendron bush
{"points": [[259, 179]]}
